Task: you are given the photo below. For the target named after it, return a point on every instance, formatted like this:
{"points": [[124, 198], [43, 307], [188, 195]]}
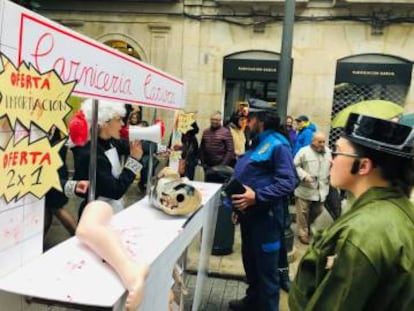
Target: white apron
{"points": [[112, 156]]}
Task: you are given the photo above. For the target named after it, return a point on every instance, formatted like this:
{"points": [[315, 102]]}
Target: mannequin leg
{"points": [[93, 230]]}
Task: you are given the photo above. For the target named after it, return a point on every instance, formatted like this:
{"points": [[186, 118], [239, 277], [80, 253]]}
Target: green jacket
{"points": [[363, 261]]}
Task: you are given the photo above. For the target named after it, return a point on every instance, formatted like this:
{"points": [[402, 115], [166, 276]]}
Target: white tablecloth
{"points": [[71, 273]]}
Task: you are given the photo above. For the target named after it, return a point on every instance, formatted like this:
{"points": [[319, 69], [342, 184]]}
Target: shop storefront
{"points": [[249, 74], [369, 77]]}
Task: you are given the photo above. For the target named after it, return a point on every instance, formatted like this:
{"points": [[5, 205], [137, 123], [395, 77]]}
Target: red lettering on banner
{"points": [[25, 81], [157, 93], [16, 158], [71, 69], [45, 159], [23, 158]]}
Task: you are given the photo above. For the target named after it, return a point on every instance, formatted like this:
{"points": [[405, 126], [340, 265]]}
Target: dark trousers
{"points": [[190, 170], [283, 253], [261, 268]]}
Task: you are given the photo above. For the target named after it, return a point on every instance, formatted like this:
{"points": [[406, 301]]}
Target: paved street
{"points": [[218, 292]]}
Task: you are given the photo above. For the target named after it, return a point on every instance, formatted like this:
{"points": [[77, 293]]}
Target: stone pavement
{"points": [[227, 274]]}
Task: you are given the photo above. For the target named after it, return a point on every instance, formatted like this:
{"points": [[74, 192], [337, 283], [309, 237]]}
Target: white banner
{"points": [[100, 71]]}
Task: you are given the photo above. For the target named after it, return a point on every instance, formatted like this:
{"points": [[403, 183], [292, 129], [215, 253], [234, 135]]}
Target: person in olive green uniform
{"points": [[365, 260]]}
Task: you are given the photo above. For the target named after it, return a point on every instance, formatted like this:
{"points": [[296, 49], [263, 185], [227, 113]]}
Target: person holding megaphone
{"points": [[112, 179]]}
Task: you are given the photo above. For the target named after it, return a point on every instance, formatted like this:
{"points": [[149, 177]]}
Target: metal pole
{"points": [[285, 73], [285, 68], [151, 154], [93, 148]]}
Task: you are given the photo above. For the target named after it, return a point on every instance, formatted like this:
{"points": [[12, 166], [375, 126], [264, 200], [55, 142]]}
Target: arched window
{"points": [[123, 47]]}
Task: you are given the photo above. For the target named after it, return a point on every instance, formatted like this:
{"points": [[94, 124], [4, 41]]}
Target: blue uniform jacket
{"points": [[268, 169]]}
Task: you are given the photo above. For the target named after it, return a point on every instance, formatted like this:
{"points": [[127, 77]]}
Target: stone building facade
{"points": [[193, 39]]}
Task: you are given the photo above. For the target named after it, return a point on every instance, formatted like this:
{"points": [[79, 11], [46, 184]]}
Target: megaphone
{"points": [[152, 133]]}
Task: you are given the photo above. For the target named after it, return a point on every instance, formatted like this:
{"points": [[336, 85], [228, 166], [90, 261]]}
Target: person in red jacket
{"points": [[216, 147]]}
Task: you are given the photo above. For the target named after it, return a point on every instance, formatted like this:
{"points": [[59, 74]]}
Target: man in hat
{"points": [[305, 132], [268, 175], [365, 260]]}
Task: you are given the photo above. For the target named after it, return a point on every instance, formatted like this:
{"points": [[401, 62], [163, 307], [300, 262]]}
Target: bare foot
{"points": [[136, 290]]}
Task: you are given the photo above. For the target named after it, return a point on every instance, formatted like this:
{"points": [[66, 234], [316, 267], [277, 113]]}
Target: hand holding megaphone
{"points": [[135, 149]]}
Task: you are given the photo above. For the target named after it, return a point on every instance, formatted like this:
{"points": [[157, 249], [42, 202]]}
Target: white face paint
{"points": [[113, 127]]}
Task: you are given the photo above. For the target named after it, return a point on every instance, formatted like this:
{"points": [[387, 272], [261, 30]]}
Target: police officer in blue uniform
{"points": [[268, 175]]}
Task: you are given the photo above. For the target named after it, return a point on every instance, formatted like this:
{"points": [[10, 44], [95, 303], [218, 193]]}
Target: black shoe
{"points": [[221, 251], [241, 305], [284, 280]]}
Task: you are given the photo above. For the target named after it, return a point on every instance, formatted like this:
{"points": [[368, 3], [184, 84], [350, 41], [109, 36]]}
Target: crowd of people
{"points": [[364, 260], [277, 162]]}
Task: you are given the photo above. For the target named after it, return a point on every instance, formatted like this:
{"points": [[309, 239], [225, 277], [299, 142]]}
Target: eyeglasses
{"points": [[345, 154]]}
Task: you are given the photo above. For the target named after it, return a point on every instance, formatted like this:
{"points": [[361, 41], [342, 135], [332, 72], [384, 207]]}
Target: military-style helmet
{"points": [[382, 135]]}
